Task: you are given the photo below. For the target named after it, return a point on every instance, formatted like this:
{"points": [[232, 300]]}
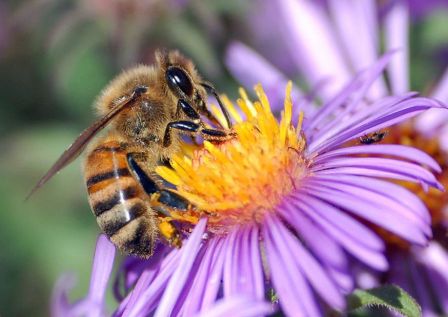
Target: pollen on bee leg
{"points": [[170, 233]]}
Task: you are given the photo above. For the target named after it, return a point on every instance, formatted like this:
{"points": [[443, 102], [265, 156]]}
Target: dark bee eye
{"points": [[177, 78]]}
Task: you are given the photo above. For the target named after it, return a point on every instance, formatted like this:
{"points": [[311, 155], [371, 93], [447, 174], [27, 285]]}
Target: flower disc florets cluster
{"points": [[238, 181], [434, 199]]}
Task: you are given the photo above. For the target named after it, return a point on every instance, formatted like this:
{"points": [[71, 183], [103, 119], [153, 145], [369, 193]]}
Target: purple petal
{"points": [[295, 295], [238, 306], [378, 197], [435, 259], [318, 57], [308, 231], [360, 171], [385, 117], [373, 211], [230, 263], [60, 305], [148, 290], [361, 113], [402, 151], [382, 164], [132, 268], [343, 278], [388, 189], [201, 282], [364, 51], [188, 293], [422, 296], [250, 69], [310, 267], [373, 258], [180, 275], [93, 304], [396, 24], [349, 98], [343, 103], [343, 223], [256, 263], [439, 287], [102, 267], [342, 120], [243, 272], [215, 276], [432, 120]]}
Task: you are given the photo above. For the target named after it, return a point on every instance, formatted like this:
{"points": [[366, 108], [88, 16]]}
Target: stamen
{"points": [[241, 180]]}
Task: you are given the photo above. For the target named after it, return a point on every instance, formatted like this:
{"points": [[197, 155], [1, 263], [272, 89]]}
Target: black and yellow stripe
{"points": [[118, 200]]}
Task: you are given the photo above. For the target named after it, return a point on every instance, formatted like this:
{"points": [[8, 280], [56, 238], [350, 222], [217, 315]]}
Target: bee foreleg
{"points": [[210, 89], [188, 110], [186, 126]]}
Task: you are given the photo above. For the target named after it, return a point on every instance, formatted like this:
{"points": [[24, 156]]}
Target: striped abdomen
{"points": [[118, 201]]}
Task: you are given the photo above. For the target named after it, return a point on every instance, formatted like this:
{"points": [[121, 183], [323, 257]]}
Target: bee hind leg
{"points": [[164, 200], [168, 230]]}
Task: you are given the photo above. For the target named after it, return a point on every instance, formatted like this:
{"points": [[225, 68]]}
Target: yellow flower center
{"points": [[238, 181]]}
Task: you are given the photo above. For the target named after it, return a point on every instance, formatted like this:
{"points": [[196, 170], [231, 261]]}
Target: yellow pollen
{"points": [[238, 181]]}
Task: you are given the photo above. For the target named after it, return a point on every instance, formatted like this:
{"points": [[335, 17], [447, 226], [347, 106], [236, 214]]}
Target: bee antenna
{"points": [[210, 89]]}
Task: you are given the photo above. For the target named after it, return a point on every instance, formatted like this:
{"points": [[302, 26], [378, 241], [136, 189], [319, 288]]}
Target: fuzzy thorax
{"points": [[239, 181]]}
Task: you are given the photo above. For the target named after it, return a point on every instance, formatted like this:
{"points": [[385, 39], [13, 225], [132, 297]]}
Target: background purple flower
{"points": [[318, 43]]}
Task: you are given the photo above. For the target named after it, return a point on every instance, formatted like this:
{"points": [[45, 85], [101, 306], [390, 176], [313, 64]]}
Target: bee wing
{"points": [[75, 149]]}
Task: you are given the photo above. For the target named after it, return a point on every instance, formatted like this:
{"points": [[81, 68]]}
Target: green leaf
{"points": [[389, 296]]}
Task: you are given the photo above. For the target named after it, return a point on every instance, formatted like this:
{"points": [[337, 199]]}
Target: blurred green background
{"points": [[55, 56]]}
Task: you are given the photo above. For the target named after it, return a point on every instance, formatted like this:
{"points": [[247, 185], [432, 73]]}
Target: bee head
{"points": [[181, 76]]}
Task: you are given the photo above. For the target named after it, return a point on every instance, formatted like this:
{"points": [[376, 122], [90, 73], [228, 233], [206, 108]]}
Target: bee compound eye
{"points": [[177, 78]]}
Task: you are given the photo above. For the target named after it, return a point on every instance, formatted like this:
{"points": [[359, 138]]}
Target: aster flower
{"points": [[428, 132], [262, 199]]}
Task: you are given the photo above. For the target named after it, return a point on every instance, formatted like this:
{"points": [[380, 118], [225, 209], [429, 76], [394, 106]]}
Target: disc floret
{"points": [[241, 180]]}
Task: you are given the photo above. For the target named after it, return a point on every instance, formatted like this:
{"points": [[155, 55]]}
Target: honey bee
{"points": [[375, 137], [147, 109]]}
